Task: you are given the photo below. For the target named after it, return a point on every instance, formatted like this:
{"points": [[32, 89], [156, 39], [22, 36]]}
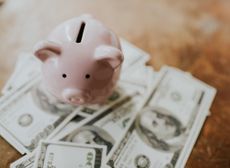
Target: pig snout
{"points": [[75, 96]]}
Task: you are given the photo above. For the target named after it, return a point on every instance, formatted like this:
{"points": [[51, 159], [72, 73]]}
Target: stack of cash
{"points": [[151, 120]]}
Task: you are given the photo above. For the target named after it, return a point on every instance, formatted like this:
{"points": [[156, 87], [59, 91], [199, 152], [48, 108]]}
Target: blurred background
{"points": [[191, 35]]}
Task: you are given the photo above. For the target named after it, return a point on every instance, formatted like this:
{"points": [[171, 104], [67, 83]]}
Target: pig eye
{"points": [[87, 76], [64, 75]]}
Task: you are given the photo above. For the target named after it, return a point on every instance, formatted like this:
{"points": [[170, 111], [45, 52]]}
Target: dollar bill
{"points": [[163, 133], [53, 154]]}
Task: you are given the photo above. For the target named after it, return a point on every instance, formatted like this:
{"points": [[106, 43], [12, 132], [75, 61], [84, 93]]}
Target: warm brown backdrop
{"points": [[193, 35]]}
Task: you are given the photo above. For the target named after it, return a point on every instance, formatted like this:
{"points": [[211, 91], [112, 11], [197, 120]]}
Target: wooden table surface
{"points": [[191, 35]]}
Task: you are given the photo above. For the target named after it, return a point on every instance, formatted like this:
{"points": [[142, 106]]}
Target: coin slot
{"points": [[80, 33]]}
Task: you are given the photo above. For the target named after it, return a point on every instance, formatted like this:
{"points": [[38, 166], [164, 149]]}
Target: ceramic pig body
{"points": [[82, 60]]}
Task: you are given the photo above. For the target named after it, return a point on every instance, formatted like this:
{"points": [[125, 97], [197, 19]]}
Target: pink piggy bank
{"points": [[82, 61]]}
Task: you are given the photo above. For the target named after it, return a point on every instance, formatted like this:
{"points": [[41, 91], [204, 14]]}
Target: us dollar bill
{"points": [[163, 133], [53, 154]]}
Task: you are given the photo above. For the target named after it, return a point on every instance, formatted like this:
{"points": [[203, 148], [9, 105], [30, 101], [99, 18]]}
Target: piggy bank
{"points": [[81, 61]]}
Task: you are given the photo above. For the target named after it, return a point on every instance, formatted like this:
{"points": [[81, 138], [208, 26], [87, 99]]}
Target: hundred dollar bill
{"points": [[163, 133], [61, 154]]}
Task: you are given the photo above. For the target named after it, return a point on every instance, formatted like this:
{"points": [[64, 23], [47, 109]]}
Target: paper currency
{"points": [[60, 154], [163, 131]]}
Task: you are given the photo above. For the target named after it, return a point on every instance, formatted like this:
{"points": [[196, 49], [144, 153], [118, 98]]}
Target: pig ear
{"points": [[46, 49], [109, 55]]}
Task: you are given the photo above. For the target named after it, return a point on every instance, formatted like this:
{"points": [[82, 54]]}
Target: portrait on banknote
{"points": [[160, 129], [91, 135]]}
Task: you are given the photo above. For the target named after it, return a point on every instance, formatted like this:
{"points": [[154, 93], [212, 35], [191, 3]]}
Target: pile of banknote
{"points": [[152, 119]]}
